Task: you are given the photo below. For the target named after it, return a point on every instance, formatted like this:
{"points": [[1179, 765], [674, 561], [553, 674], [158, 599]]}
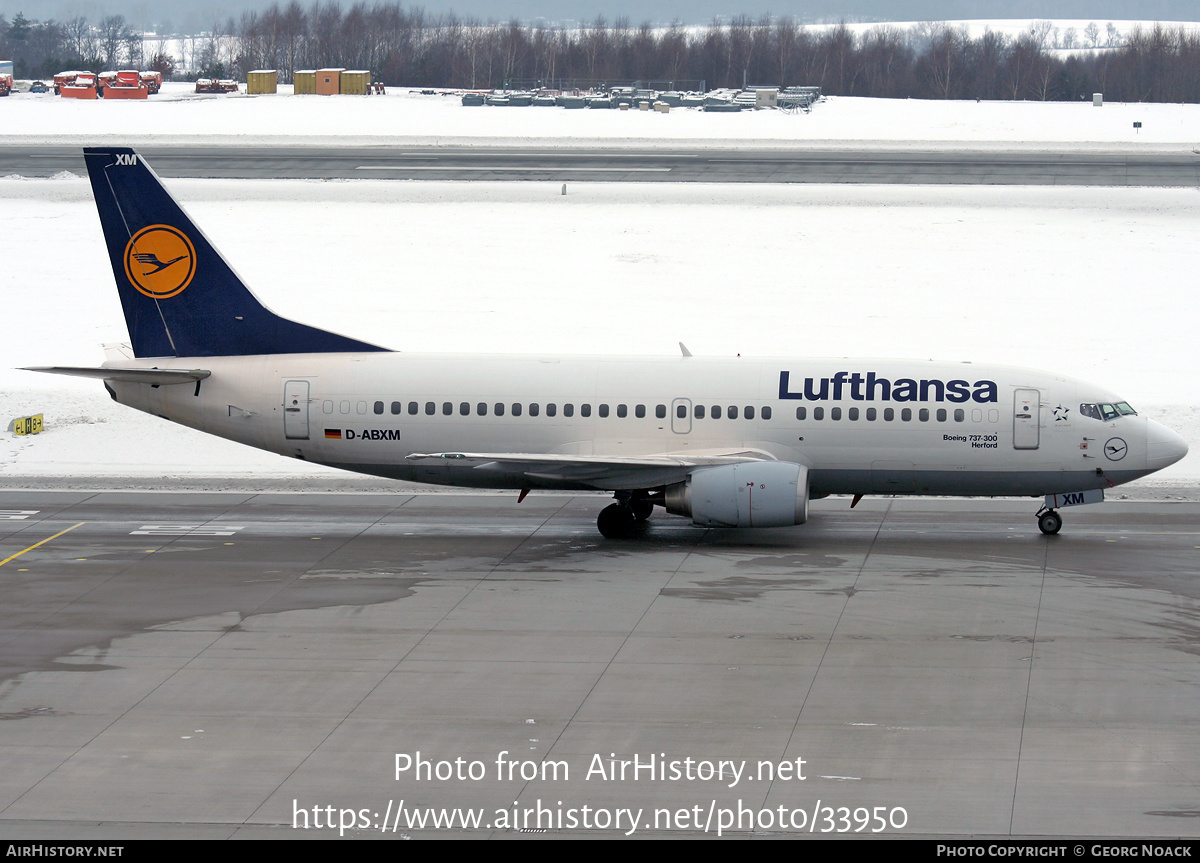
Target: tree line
{"points": [[410, 47]]}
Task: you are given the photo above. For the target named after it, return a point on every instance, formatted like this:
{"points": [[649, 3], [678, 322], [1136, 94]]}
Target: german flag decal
{"points": [[333, 434]]}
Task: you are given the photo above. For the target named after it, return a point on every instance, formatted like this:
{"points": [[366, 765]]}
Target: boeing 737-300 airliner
{"points": [[726, 442]]}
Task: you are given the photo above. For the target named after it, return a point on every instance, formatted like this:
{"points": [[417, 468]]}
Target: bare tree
{"points": [[113, 36]]}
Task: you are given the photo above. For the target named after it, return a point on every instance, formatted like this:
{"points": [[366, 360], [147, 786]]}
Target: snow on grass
{"points": [[404, 117]]}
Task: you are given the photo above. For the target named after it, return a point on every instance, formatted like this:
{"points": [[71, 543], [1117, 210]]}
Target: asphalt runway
{"points": [[231, 664], [665, 164]]}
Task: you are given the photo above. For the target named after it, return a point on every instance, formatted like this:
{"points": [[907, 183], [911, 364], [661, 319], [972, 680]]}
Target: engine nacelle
{"points": [[750, 494]]}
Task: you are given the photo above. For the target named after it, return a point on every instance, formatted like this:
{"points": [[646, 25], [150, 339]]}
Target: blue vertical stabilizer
{"points": [[181, 299]]}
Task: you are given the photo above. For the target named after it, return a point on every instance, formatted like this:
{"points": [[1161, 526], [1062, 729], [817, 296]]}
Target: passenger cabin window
{"points": [[818, 413], [568, 410], [551, 409], [498, 409], [481, 409], [603, 411], [534, 409], [660, 411], [378, 407], [516, 409], [766, 412], [639, 411], [801, 413], [397, 407], [852, 413], [698, 411], [465, 409], [716, 412], [749, 412], [447, 408], [835, 413], [871, 414], [430, 408], [622, 411], [413, 407], [585, 410]]}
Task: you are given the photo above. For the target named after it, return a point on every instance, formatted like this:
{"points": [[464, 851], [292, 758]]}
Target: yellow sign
{"points": [[27, 425], [160, 261]]}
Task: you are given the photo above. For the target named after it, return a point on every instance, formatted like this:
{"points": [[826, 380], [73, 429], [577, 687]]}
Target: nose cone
{"points": [[1163, 446]]}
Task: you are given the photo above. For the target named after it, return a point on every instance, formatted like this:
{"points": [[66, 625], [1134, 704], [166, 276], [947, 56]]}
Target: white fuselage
{"points": [[861, 426]]}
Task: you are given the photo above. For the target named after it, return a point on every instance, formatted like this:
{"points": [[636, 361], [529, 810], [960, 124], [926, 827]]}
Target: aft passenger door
{"points": [[1027, 418], [295, 410]]}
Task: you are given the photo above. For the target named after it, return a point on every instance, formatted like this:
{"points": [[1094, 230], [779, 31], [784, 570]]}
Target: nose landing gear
{"points": [[1049, 521]]}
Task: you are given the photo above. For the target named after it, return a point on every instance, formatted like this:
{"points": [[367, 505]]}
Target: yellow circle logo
{"points": [[160, 261]]}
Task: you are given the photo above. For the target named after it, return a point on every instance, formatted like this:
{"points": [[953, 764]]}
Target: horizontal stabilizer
{"points": [[157, 377]]}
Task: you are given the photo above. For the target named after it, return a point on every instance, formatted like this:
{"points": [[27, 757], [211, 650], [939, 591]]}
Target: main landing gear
{"points": [[625, 518], [1049, 521]]}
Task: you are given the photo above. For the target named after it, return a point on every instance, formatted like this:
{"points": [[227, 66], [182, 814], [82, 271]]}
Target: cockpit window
{"points": [[1107, 411]]}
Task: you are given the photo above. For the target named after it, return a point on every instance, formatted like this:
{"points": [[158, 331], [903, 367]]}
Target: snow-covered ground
{"points": [[1092, 282], [407, 117]]}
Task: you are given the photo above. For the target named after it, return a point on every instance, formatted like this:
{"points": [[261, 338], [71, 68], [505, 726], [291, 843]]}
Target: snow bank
{"points": [[404, 117]]}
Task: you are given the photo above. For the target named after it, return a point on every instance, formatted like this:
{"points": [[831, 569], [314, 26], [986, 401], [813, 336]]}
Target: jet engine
{"points": [[750, 494]]}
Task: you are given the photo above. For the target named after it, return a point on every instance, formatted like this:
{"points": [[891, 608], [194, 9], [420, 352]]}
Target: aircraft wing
{"points": [[158, 377], [603, 472]]}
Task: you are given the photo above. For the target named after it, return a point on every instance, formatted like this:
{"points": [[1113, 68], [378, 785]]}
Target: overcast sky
{"points": [[195, 15]]}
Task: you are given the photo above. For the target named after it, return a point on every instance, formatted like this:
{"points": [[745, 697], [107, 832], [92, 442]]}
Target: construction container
{"points": [[305, 83], [329, 81], [766, 97], [262, 81], [355, 82]]}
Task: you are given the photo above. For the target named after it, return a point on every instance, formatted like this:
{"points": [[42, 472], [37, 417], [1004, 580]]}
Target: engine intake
{"points": [[751, 494]]}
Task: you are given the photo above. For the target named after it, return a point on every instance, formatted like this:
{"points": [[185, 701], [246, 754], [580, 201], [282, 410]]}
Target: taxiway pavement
{"points": [[233, 664], [664, 164]]}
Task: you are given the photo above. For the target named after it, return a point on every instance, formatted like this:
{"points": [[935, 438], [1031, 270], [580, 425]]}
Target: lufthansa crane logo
{"points": [[1115, 448], [160, 261]]}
